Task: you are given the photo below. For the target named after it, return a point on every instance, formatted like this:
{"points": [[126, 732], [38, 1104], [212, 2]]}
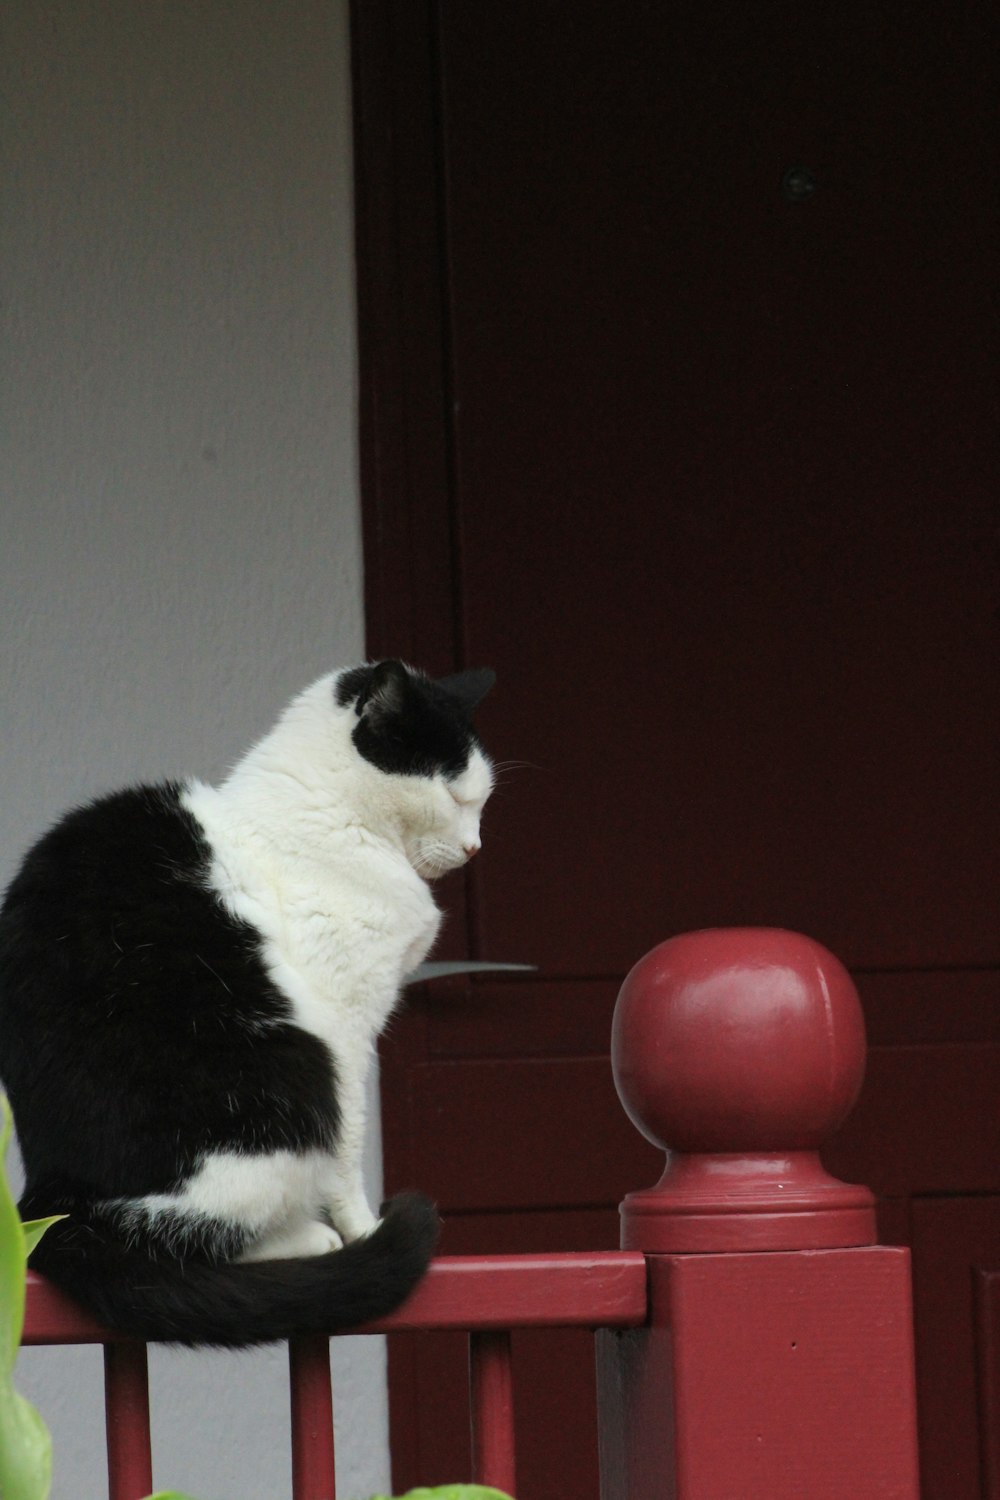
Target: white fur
{"points": [[328, 858]]}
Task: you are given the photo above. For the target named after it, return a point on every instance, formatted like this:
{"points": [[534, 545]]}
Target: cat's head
{"points": [[408, 726]]}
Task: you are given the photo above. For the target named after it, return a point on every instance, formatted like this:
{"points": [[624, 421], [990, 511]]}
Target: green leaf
{"points": [[33, 1230], [12, 1257], [451, 1492], [25, 1448], [25, 1445]]}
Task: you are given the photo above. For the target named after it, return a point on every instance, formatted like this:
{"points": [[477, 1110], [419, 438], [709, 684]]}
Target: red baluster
{"points": [[126, 1415], [492, 1406], [779, 1362], [313, 1473]]}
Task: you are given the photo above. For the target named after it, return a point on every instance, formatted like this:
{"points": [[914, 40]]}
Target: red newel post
{"points": [[778, 1363]]}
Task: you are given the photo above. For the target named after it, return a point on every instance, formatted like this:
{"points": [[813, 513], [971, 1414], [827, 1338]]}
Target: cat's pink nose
{"points": [[470, 850]]}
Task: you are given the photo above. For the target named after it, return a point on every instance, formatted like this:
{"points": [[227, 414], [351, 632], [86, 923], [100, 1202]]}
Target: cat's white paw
{"points": [[356, 1223], [324, 1239], [306, 1239]]}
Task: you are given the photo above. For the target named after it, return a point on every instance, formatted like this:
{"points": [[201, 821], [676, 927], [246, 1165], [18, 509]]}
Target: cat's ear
{"points": [[471, 687], [384, 694]]}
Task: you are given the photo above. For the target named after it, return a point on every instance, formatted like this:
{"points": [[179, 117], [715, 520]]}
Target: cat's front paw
{"points": [[355, 1223], [325, 1239], [313, 1238]]}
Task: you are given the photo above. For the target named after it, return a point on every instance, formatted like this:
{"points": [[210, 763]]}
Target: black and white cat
{"points": [[192, 980]]}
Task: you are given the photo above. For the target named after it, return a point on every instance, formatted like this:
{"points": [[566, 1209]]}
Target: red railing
{"points": [[484, 1295], [753, 1341]]}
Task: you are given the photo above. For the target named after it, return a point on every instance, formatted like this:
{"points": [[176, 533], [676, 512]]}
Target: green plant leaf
{"points": [[25, 1448], [33, 1229], [25, 1445], [12, 1257], [452, 1492]]}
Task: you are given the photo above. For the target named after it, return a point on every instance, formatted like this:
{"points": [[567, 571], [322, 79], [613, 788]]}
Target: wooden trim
{"points": [[986, 1315], [411, 600], [600, 1290]]}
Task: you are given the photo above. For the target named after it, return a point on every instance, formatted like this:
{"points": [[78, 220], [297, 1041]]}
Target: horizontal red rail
{"points": [[527, 1291], [601, 1290]]}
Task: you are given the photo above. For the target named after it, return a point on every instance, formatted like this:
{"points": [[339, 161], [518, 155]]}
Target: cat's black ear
{"points": [[384, 693], [471, 687]]}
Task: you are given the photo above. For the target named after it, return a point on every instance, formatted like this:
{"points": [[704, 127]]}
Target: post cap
{"points": [[741, 1050]]}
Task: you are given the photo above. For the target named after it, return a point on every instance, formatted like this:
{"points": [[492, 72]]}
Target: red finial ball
{"points": [[740, 1039], [742, 1050]]}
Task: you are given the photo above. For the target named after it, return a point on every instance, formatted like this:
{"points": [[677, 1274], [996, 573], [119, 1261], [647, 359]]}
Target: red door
{"points": [[678, 410]]}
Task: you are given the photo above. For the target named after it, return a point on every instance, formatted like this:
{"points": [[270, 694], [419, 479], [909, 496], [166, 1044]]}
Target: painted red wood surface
{"points": [[786, 1371], [554, 1380], [953, 1238], [739, 1052], [986, 1309], [311, 1404], [709, 476], [126, 1409], [487, 1294], [765, 1377], [459, 1292], [491, 1398]]}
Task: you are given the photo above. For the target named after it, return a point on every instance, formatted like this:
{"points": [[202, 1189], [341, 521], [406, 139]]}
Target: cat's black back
{"points": [[156, 1016]]}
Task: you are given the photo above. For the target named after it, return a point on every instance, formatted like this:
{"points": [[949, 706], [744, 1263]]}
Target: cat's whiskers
{"points": [[503, 769]]}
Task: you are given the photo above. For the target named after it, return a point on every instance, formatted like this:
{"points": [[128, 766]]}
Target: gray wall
{"points": [[179, 531]]}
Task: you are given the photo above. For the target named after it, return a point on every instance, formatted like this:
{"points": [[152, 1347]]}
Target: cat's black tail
{"points": [[151, 1295]]}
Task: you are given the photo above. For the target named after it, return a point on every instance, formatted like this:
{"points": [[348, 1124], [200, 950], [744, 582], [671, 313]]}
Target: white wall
{"points": [[179, 531]]}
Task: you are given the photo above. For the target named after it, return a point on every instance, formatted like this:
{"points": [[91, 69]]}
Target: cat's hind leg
{"points": [[267, 1206]]}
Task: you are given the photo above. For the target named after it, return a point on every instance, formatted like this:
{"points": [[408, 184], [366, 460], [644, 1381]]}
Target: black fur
{"points": [[138, 1029], [409, 725], [197, 1301], [147, 979]]}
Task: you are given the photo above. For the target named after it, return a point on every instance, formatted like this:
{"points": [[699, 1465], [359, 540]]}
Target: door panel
{"points": [[986, 1314], [702, 440], [953, 1239], [927, 1121]]}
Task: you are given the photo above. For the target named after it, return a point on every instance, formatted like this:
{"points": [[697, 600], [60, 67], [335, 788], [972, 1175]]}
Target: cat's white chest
{"points": [[342, 917], [340, 949], [338, 940]]}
